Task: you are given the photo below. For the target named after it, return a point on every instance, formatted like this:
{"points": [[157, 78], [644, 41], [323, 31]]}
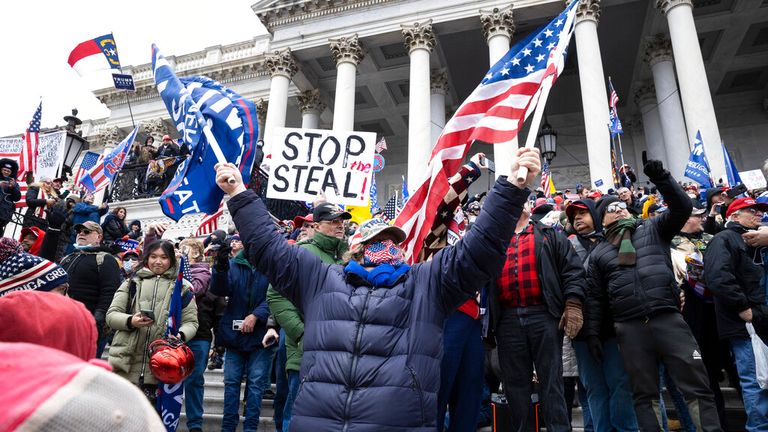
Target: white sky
{"points": [[37, 37]]}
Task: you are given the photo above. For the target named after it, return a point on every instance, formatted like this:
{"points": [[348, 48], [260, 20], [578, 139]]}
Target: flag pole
{"points": [[127, 99], [533, 132]]}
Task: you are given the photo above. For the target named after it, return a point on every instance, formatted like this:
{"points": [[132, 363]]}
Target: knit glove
{"points": [[595, 347], [221, 262], [654, 169], [572, 319]]}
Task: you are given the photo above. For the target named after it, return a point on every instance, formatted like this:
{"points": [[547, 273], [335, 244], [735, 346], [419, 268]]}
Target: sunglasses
{"points": [[613, 208]]}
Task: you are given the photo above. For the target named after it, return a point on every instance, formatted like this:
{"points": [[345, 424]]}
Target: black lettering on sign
{"points": [[299, 169], [336, 151], [311, 136], [349, 152], [347, 181], [312, 179], [290, 146], [279, 178], [329, 181]]}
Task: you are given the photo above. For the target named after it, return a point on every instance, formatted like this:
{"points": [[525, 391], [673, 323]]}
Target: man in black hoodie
{"points": [[9, 191], [601, 370]]}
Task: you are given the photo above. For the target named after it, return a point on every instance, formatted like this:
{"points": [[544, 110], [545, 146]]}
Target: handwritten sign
{"points": [[308, 161], [753, 179], [50, 153]]}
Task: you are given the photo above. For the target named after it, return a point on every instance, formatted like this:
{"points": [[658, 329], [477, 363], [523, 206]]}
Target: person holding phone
{"points": [[139, 312]]}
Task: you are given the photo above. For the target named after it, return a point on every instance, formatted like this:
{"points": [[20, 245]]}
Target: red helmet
{"points": [[170, 360]]}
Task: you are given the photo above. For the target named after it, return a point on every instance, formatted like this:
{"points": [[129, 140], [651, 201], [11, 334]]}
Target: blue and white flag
{"points": [[105, 169], [613, 102], [405, 191], [730, 169], [698, 167], [217, 125], [374, 194]]}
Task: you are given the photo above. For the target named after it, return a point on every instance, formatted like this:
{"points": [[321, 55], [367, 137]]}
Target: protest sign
{"points": [[308, 161], [50, 153], [753, 179]]}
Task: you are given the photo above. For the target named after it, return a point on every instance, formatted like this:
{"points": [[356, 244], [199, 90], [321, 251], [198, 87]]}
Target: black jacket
{"points": [[733, 272], [90, 284], [648, 287], [9, 194], [33, 202], [114, 228], [560, 272]]}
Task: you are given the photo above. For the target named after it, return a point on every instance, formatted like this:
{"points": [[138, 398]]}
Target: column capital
{"points": [[310, 101], [261, 110], [498, 21], [281, 63], [438, 82], [156, 128], [666, 5], [658, 49], [586, 10], [419, 36], [645, 93], [347, 49]]}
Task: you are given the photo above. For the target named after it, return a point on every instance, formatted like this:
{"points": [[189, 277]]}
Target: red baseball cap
{"points": [[298, 221], [743, 203]]}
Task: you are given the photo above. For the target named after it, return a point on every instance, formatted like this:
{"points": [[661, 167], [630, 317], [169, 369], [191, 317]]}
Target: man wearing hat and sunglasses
{"points": [[735, 272], [373, 328], [9, 190]]}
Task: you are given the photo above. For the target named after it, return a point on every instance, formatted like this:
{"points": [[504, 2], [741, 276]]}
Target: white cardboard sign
{"points": [[753, 179], [308, 161]]}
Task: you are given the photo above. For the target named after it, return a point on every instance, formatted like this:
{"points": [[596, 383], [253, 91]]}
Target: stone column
{"points": [[594, 95], [498, 28], [439, 87], [261, 115], [420, 40], [348, 53], [645, 98], [694, 88], [311, 106], [658, 54], [282, 67]]}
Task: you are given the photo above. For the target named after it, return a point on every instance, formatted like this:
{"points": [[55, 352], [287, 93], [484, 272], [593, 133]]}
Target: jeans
{"points": [[293, 388], [101, 343], [608, 391], [755, 398], [461, 373], [530, 336], [256, 365], [281, 384], [195, 384], [585, 413], [677, 399]]}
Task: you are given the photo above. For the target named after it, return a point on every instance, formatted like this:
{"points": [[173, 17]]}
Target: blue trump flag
{"points": [[730, 169], [698, 167], [103, 172], [217, 125], [374, 194]]}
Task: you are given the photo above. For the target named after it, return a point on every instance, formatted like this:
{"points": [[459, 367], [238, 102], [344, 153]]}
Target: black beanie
{"points": [[602, 204]]}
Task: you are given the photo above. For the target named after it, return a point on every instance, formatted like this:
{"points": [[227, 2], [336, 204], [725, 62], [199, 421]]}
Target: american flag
{"points": [[546, 180], [390, 208], [90, 159], [31, 139], [106, 167], [210, 223], [493, 113], [613, 101]]}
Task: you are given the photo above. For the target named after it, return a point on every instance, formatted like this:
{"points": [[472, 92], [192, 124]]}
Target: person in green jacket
{"points": [[153, 284], [329, 244]]}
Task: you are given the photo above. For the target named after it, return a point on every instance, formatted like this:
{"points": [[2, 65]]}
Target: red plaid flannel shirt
{"points": [[518, 283]]}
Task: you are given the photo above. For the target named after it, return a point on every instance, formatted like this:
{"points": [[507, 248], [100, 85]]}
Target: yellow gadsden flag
{"points": [[359, 213]]}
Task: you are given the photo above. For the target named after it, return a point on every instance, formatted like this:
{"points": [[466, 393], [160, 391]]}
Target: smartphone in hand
{"points": [[148, 313]]}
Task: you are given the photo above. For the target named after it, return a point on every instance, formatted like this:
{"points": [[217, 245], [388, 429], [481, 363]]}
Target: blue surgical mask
{"points": [[129, 265]]}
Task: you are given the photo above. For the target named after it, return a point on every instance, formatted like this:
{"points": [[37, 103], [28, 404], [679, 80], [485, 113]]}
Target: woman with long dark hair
{"points": [[114, 225], [139, 312]]}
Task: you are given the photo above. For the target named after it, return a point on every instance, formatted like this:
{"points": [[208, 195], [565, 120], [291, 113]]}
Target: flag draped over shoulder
{"points": [[104, 170], [493, 113], [217, 125], [697, 168]]}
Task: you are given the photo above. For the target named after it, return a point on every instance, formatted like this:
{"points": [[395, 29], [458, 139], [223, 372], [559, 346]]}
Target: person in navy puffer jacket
{"points": [[373, 328]]}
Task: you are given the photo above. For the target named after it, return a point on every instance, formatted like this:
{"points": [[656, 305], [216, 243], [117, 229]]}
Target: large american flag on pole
{"points": [[30, 141], [210, 223], [494, 113]]}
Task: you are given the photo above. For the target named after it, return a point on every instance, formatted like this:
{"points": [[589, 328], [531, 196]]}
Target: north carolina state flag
{"points": [[94, 55]]}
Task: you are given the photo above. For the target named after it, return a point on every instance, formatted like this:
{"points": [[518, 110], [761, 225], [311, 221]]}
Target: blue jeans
{"points": [[755, 398], [256, 365], [461, 373], [677, 399], [608, 391], [281, 384], [195, 384], [293, 388], [585, 413]]}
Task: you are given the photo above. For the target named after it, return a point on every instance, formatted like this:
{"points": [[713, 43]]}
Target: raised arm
{"points": [[293, 271], [670, 222]]}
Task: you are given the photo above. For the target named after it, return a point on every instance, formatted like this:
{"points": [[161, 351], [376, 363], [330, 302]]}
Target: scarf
{"points": [[382, 252], [619, 234], [383, 275]]}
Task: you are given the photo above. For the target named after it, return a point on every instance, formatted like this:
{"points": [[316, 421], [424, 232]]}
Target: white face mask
{"points": [[129, 265]]}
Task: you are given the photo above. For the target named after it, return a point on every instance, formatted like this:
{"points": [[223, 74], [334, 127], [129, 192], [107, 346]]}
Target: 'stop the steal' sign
{"points": [[308, 161]]}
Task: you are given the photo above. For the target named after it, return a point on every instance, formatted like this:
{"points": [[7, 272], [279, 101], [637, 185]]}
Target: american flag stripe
{"points": [[494, 112], [209, 223], [30, 141]]}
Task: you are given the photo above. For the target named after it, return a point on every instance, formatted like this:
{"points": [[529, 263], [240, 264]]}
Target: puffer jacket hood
{"points": [[592, 207]]}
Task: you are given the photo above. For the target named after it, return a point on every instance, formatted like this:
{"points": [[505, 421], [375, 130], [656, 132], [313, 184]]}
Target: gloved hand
{"points": [[595, 347], [57, 215], [572, 319], [101, 322], [221, 263], [654, 169]]}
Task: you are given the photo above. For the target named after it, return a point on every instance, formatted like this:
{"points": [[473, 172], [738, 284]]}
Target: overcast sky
{"points": [[39, 35]]}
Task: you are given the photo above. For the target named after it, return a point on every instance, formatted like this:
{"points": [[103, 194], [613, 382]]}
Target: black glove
{"points": [[57, 215], [101, 322], [221, 263], [595, 347], [654, 169]]}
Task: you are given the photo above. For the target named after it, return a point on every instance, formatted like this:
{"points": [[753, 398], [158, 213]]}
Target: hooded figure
{"points": [[135, 234], [34, 239], [9, 190]]}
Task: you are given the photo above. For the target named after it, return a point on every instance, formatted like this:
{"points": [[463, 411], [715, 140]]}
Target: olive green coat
{"points": [[127, 349], [330, 250]]}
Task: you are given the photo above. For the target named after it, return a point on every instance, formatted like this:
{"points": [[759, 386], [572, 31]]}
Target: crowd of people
{"points": [[603, 300]]}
